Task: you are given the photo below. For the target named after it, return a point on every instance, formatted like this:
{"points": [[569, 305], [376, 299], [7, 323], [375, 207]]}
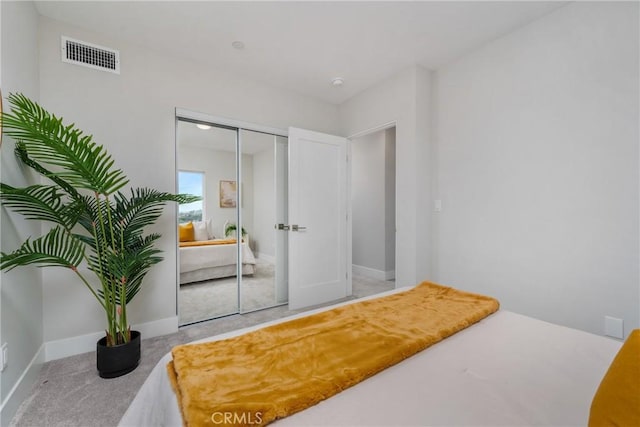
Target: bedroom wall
{"points": [[368, 204], [537, 146], [403, 99], [133, 115], [220, 165], [21, 289], [390, 201]]}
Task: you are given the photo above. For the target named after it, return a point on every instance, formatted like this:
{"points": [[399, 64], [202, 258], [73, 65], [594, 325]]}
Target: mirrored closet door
{"points": [[241, 176], [207, 260], [264, 202]]}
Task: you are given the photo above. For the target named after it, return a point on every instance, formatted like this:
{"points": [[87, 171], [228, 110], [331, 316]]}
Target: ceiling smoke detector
{"points": [[238, 45], [338, 81]]}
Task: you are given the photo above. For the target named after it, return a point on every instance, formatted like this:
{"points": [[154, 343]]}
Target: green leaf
{"points": [[230, 228], [40, 202], [21, 153], [54, 249], [143, 207], [44, 137], [132, 264]]}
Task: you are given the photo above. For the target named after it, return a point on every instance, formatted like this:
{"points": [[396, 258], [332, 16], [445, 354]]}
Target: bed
{"points": [[507, 369], [213, 259]]}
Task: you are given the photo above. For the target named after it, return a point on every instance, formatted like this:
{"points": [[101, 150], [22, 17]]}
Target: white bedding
{"points": [[507, 369], [198, 257]]}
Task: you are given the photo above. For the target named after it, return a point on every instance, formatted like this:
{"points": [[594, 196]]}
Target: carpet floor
{"points": [[69, 392], [219, 297]]}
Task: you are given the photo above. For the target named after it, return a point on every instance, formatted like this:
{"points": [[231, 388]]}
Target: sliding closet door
{"points": [[208, 255], [282, 217], [263, 205]]}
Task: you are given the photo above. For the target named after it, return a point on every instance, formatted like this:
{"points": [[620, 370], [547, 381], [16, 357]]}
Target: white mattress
{"points": [[507, 369]]}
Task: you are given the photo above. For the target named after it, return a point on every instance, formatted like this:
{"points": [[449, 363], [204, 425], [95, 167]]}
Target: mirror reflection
{"points": [[236, 209], [264, 205]]}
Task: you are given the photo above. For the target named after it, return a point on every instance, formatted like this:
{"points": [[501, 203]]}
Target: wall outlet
{"points": [[613, 327], [437, 205], [4, 356]]}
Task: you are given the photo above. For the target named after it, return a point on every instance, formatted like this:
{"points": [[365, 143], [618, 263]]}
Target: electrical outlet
{"points": [[4, 356], [437, 205]]}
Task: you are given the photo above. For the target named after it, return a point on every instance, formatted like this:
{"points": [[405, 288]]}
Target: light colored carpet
{"points": [[69, 391], [219, 297]]}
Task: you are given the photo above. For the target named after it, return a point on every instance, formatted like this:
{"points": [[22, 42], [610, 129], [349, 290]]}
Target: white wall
{"points": [[133, 115], [537, 147], [21, 289], [399, 99], [390, 200], [373, 187], [368, 201], [220, 165]]}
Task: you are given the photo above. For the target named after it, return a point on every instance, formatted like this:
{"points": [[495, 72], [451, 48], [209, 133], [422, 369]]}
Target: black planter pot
{"points": [[118, 360]]}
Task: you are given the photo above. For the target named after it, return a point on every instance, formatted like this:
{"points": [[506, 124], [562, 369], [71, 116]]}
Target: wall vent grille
{"points": [[90, 55]]}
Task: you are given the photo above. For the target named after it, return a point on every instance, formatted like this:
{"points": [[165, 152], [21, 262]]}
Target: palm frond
{"points": [[144, 207], [83, 163], [21, 153], [41, 202], [54, 249], [128, 268], [90, 216]]}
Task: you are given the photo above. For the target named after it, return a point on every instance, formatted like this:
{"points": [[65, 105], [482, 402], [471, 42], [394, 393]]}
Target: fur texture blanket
{"points": [[258, 377]]}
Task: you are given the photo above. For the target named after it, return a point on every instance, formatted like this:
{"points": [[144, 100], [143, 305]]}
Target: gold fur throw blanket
{"points": [[273, 372]]}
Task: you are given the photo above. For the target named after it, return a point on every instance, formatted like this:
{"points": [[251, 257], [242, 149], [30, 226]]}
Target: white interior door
{"points": [[317, 217]]}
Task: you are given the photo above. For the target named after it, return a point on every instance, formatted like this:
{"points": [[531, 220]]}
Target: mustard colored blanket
{"points": [[208, 242], [270, 373]]}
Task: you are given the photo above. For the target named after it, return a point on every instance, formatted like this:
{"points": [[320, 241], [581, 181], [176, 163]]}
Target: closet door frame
{"points": [[236, 125]]}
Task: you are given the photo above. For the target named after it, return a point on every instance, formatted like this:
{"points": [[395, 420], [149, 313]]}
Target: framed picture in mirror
{"points": [[228, 194]]}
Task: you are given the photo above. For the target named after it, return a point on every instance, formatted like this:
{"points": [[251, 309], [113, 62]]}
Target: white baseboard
{"points": [[22, 387], [373, 273], [58, 349], [269, 258]]}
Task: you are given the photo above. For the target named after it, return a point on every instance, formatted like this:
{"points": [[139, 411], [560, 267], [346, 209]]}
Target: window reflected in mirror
{"points": [[191, 183]]}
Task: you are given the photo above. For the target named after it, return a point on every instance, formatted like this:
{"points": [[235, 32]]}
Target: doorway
{"points": [[373, 178]]}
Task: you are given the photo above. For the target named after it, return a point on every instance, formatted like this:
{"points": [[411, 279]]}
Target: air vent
{"points": [[90, 55]]}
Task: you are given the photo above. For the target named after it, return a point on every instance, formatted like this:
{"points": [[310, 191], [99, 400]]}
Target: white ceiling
{"points": [[222, 139], [302, 45]]}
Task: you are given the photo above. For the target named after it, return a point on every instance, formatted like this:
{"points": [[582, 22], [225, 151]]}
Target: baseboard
{"points": [[373, 273], [22, 387], [58, 349], [269, 258]]}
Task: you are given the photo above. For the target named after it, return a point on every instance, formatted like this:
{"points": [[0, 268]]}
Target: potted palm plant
{"points": [[97, 229], [231, 228]]}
